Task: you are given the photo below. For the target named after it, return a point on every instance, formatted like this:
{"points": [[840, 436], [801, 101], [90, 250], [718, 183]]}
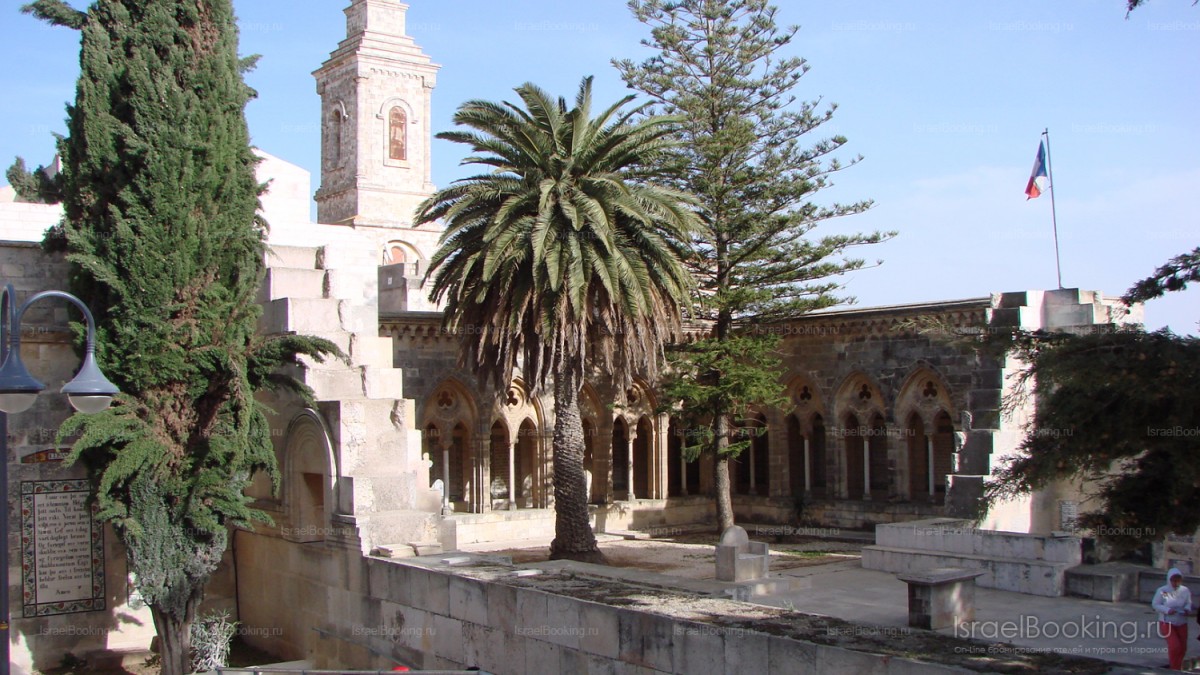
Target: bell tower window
{"points": [[397, 134]]}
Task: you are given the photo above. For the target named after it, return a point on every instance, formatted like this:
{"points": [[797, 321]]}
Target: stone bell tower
{"points": [[375, 108]]}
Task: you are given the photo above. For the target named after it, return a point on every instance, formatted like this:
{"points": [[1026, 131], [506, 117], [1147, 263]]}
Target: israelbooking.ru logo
{"points": [[1032, 628]]}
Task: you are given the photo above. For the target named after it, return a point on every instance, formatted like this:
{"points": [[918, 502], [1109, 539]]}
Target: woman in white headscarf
{"points": [[1173, 602]]}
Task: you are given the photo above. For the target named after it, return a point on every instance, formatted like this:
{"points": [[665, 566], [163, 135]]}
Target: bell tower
{"points": [[375, 106]]}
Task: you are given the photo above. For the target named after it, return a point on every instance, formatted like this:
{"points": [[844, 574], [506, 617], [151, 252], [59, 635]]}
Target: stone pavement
{"points": [[1125, 632]]}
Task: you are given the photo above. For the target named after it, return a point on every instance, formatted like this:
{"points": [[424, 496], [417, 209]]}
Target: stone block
{"points": [[646, 639], [430, 591], [502, 607], [597, 665], [448, 638], [297, 257], [563, 620], [282, 282], [468, 600], [601, 631], [541, 656], [747, 652], [389, 580], [838, 660], [792, 656], [698, 649], [532, 617]]}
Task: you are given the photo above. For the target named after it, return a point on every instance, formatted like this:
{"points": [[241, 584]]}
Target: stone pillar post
{"points": [[866, 469], [446, 508], [512, 475], [631, 451], [807, 468], [929, 461]]}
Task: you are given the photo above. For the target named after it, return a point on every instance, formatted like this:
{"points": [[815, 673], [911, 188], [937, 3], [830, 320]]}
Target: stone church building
{"points": [[406, 452]]}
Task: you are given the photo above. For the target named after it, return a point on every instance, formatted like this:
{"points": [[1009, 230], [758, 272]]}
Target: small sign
{"points": [[62, 549], [48, 455]]}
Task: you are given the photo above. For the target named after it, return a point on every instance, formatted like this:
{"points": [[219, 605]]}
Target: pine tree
{"points": [[745, 154], [160, 200]]}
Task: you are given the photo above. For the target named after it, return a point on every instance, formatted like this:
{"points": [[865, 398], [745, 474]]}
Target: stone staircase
{"points": [[331, 292]]}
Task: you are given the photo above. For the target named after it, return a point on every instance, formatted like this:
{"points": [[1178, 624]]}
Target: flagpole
{"points": [[1053, 210]]}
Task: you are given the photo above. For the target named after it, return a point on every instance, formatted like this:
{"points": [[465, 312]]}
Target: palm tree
{"points": [[564, 254]]}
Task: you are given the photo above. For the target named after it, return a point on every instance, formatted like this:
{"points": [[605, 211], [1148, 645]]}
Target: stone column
{"points": [[631, 451], [512, 475], [929, 461], [866, 468], [753, 490], [446, 508], [807, 468]]}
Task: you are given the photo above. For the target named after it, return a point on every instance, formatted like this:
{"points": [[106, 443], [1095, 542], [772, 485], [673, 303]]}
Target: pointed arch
{"points": [[859, 407], [805, 436], [926, 408]]}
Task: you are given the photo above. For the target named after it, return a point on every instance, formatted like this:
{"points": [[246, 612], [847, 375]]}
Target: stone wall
{"points": [[426, 614], [42, 641], [1011, 561]]}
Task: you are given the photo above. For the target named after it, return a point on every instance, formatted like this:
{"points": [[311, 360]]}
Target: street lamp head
{"points": [[90, 391], [18, 388]]}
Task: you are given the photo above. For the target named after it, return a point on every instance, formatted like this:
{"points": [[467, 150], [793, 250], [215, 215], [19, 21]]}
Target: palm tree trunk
{"points": [[573, 537]]}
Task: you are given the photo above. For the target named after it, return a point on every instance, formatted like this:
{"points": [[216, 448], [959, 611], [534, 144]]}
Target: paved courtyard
{"points": [[839, 587]]}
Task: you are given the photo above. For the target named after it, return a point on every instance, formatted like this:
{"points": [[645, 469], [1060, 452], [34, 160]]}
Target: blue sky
{"points": [[945, 100]]}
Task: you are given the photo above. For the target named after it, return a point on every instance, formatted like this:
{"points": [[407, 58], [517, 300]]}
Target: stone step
{"points": [[299, 315], [289, 282], [371, 350], [295, 257], [360, 382], [317, 315]]}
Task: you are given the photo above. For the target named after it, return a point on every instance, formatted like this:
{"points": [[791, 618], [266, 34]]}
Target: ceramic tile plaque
{"points": [[62, 549]]}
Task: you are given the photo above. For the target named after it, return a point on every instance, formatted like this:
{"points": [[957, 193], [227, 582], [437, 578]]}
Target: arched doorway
{"points": [[943, 454], [642, 456], [620, 459], [853, 435], [589, 459], [877, 455], [918, 459], [527, 473], [818, 457], [498, 456]]}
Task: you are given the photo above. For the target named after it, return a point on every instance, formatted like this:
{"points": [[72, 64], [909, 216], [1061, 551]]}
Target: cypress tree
{"points": [[746, 155], [160, 200]]}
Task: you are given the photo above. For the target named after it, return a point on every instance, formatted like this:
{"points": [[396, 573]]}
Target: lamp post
{"points": [[88, 392]]}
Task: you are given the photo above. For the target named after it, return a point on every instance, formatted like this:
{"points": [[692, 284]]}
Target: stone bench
{"points": [[941, 597], [739, 559]]}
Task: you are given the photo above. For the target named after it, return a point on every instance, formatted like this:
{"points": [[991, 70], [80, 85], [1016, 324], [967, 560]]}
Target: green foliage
{"points": [[56, 13], [34, 187], [212, 635], [1117, 408], [563, 254], [1174, 276], [160, 200], [563, 249], [732, 376], [747, 151]]}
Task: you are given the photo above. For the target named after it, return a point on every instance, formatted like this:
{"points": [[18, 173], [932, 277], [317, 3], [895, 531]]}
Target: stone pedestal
{"points": [[940, 598]]}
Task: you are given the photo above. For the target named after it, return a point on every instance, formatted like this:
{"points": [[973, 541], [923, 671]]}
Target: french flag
{"points": [[1037, 179]]}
